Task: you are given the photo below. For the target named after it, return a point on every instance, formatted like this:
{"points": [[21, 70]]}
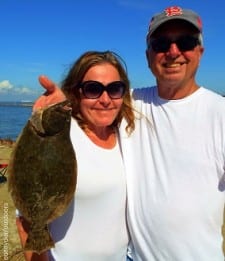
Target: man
{"points": [[175, 159]]}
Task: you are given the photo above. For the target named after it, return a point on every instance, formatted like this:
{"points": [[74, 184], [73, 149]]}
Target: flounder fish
{"points": [[42, 172]]}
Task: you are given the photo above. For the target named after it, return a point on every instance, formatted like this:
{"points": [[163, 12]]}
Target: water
{"points": [[13, 117]]}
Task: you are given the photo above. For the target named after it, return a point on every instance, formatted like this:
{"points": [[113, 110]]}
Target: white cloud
{"points": [[5, 86], [24, 90], [10, 92]]}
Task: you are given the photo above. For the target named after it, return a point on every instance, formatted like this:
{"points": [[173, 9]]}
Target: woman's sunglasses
{"points": [[184, 43], [94, 89]]}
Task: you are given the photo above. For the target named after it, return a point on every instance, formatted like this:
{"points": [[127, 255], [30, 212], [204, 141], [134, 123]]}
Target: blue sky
{"points": [[46, 36]]}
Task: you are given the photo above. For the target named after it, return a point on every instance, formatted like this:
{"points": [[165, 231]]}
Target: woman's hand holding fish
{"points": [[52, 95]]}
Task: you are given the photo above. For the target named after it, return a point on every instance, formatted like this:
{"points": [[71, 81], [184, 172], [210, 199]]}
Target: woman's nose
{"points": [[104, 98]]}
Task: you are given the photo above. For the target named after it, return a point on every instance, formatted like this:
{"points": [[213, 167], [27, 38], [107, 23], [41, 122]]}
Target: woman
{"points": [[94, 226]]}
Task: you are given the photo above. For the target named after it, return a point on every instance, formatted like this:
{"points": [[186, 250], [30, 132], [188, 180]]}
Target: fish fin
{"points": [[39, 240]]}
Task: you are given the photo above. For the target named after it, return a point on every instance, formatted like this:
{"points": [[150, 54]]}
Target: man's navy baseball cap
{"points": [[171, 13]]}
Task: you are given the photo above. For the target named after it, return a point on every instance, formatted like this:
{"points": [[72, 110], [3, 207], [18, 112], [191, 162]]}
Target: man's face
{"points": [[172, 66]]}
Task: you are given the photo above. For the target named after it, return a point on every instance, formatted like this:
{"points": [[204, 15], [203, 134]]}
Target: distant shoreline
{"points": [[17, 103]]}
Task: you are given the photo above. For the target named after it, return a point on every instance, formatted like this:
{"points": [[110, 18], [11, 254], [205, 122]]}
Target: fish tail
{"points": [[39, 241]]}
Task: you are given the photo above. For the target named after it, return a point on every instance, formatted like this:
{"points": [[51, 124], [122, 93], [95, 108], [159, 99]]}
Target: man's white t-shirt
{"points": [[175, 161]]}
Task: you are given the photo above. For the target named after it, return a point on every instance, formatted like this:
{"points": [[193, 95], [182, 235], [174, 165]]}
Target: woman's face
{"points": [[102, 111]]}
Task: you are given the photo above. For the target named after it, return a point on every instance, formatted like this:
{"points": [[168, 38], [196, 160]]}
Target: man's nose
{"points": [[174, 51]]}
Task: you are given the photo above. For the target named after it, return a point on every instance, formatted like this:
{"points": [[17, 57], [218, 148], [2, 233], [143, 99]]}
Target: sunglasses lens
{"points": [[92, 90], [187, 43], [161, 44], [116, 90], [184, 43]]}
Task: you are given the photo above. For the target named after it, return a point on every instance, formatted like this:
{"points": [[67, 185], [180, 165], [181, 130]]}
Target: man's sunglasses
{"points": [[94, 89], [184, 43]]}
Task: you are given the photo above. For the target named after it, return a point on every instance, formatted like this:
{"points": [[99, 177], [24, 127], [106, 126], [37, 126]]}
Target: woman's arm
{"points": [[23, 228]]}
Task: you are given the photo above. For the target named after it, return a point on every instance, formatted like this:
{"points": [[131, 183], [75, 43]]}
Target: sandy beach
{"points": [[10, 248]]}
